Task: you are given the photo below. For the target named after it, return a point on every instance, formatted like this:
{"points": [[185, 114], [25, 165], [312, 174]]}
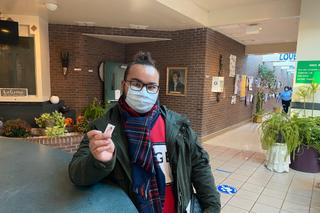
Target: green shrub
{"points": [[280, 128], [16, 128], [52, 122], [309, 131], [54, 131], [92, 112]]}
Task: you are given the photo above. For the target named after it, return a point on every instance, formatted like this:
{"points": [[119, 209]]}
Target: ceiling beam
{"points": [[271, 48], [252, 13]]}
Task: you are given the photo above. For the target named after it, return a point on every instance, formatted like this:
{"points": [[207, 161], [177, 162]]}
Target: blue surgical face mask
{"points": [[141, 101]]}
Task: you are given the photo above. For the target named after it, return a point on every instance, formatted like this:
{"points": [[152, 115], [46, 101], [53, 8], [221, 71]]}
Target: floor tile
{"points": [[241, 203], [247, 195], [252, 187], [261, 208], [274, 193], [300, 200], [270, 201], [232, 209], [295, 207]]}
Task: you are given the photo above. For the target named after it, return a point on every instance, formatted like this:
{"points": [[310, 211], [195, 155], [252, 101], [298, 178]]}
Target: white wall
{"points": [[308, 45], [42, 66]]}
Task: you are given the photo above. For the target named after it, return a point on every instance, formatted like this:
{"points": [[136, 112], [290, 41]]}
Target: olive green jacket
{"points": [[189, 162]]}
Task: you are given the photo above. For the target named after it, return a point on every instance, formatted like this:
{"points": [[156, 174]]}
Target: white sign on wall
{"points": [[217, 84], [13, 92], [232, 65]]}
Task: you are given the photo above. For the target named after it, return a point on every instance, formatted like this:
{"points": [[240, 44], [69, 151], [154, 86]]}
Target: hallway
{"points": [[237, 160]]}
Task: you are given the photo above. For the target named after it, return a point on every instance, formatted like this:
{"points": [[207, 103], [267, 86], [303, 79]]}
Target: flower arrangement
{"points": [[16, 128], [54, 123]]}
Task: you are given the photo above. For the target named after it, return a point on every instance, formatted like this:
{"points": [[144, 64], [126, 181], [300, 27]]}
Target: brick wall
{"points": [[68, 143], [219, 115], [78, 88], [197, 49]]}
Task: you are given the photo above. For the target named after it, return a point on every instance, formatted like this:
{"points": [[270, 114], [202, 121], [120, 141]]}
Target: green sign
{"points": [[308, 72]]}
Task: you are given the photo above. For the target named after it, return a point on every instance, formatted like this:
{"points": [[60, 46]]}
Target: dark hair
{"points": [[143, 58], [176, 73]]}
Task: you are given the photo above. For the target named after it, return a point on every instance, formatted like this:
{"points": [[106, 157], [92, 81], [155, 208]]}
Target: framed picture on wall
{"points": [[176, 81]]}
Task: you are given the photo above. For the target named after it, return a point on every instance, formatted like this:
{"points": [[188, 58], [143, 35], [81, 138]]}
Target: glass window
{"points": [[17, 65]]}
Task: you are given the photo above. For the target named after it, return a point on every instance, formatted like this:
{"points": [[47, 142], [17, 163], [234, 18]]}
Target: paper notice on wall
{"points": [[217, 84], [243, 86], [250, 83], [117, 94], [232, 65], [251, 98], [237, 84], [233, 99]]}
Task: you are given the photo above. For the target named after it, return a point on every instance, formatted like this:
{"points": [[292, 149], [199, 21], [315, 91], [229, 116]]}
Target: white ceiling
{"points": [[278, 18], [107, 13], [272, 31]]}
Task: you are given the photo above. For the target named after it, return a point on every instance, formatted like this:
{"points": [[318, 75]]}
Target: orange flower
{"points": [[80, 119], [68, 121]]}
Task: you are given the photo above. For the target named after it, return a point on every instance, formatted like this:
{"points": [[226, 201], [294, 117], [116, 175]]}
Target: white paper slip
{"points": [[110, 128]]}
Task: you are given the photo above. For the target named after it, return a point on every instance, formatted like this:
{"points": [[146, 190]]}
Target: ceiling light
{"points": [[52, 5], [5, 30], [253, 29]]}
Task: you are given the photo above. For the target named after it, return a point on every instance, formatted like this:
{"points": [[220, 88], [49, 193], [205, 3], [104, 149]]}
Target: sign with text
{"points": [[13, 92], [308, 72]]}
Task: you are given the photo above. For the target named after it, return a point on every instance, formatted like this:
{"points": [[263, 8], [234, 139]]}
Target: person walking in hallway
{"points": [[285, 97], [152, 153]]}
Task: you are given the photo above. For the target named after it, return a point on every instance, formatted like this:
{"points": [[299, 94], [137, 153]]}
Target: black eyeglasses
{"points": [[138, 85]]}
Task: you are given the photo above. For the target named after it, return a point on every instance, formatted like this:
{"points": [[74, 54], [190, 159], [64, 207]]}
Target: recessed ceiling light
{"points": [[253, 29], [51, 5]]}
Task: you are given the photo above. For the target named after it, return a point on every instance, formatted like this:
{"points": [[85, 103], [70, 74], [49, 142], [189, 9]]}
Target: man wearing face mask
{"points": [[152, 154]]}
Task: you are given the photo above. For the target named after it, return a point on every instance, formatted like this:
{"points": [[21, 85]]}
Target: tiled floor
{"points": [[237, 160]]}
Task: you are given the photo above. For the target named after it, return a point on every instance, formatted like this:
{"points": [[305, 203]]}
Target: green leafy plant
{"points": [[259, 104], [54, 131], [303, 92], [52, 122], [309, 131], [16, 128], [312, 89], [279, 128], [267, 82], [267, 77], [306, 92], [92, 112]]}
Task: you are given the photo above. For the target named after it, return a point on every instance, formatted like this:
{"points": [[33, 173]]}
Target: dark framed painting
{"points": [[176, 81]]}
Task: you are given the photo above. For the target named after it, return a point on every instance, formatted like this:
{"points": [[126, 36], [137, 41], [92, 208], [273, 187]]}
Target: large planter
{"points": [[278, 159], [305, 160]]}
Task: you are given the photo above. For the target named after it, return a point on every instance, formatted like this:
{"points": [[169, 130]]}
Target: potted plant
{"points": [[16, 128], [92, 112], [280, 137], [306, 157], [53, 123]]}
